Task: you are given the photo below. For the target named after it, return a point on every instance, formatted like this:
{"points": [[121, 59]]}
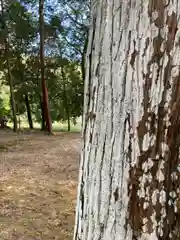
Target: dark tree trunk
{"points": [[28, 108], [13, 104], [83, 68], [42, 114], [69, 122], [19, 122], [83, 57], [65, 99], [43, 82]]}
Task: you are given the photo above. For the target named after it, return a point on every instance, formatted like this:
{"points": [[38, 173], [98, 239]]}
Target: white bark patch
{"points": [[160, 176], [162, 198], [146, 205], [155, 15], [155, 196], [177, 38], [147, 165], [146, 236]]}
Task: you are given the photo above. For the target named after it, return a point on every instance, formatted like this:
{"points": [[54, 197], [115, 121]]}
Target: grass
{"points": [[57, 126]]}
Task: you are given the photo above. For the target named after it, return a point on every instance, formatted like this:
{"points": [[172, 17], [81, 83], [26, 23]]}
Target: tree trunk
{"points": [[43, 81], [42, 114], [66, 105], [69, 124], [28, 108], [130, 164], [10, 81], [83, 70], [13, 104], [19, 122]]}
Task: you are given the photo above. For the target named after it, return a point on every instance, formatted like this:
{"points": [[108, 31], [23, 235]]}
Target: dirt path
{"points": [[38, 178]]}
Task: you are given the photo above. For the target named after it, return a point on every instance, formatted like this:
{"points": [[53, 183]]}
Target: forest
{"points": [[110, 69], [42, 61]]}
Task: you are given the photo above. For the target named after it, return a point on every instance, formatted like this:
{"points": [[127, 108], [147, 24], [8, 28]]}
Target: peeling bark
{"points": [[130, 161]]}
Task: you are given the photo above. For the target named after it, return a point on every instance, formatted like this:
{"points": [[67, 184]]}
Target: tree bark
{"points": [[69, 124], [19, 122], [28, 108], [130, 165], [42, 114], [43, 81], [13, 104], [66, 105], [83, 70], [9, 76]]}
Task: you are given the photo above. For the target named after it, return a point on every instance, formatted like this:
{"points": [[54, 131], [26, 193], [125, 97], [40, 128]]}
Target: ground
{"points": [[38, 176]]}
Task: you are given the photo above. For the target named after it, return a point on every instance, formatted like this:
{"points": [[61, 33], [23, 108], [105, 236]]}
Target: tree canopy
{"points": [[64, 36]]}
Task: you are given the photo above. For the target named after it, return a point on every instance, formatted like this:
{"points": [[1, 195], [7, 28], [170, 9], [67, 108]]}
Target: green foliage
{"points": [[65, 34], [67, 92], [4, 101]]}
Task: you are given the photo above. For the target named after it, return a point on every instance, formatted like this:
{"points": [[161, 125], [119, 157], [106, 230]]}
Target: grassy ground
{"points": [[57, 126], [38, 176]]}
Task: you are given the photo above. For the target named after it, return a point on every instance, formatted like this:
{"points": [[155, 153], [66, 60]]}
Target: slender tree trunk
{"points": [[10, 81], [130, 164], [83, 68], [13, 104], [43, 81], [83, 57], [28, 108], [66, 105], [19, 122], [69, 124], [42, 114], [40, 98]]}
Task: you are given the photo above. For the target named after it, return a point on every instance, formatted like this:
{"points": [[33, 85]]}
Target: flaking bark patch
{"points": [[172, 181], [116, 195], [156, 7], [134, 137], [133, 55], [144, 183], [172, 29], [157, 54]]}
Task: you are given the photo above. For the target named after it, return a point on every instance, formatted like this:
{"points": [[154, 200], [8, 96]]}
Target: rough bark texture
{"points": [[130, 163]]}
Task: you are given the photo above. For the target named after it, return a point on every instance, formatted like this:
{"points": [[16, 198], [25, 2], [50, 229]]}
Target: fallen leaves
{"points": [[37, 204]]}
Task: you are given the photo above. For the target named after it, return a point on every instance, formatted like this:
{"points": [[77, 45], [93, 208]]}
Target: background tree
{"points": [[6, 46], [130, 165], [43, 81], [64, 39], [4, 101], [67, 92], [16, 41]]}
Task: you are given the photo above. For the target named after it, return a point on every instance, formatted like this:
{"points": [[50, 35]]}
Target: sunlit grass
{"points": [[57, 126]]}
